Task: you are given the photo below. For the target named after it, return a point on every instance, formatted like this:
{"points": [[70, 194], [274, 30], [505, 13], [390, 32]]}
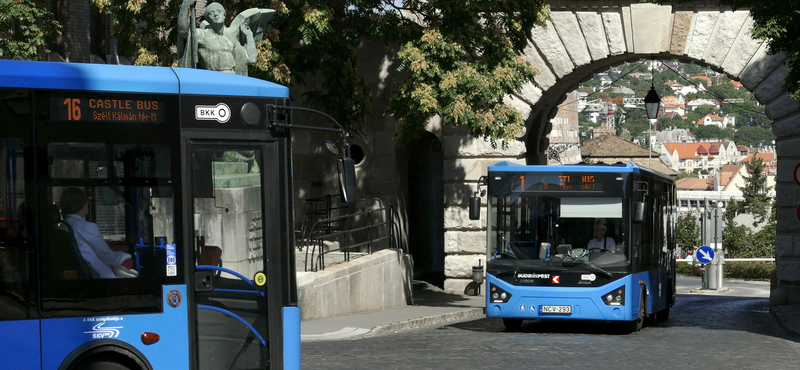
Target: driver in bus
{"points": [[98, 255], [601, 242]]}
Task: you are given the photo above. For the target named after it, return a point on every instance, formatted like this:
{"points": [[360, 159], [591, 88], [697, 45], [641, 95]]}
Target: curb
{"points": [[350, 333], [709, 291], [423, 322]]}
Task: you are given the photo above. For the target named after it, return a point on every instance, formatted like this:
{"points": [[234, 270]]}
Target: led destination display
{"points": [[107, 110]]}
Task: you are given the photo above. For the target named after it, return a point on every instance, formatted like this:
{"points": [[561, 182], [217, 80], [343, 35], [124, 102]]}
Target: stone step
{"points": [[237, 180], [229, 168]]}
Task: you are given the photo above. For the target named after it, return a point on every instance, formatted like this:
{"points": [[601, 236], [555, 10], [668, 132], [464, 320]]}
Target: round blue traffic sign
{"points": [[704, 254]]}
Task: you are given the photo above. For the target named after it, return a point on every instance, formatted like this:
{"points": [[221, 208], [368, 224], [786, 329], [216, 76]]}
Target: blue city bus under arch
{"points": [[181, 170], [540, 263]]}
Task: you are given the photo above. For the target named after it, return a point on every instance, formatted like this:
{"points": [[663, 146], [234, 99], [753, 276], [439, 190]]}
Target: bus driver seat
{"points": [[71, 265]]}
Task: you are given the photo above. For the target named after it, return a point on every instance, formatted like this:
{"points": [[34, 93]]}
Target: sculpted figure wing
{"points": [[252, 21]]}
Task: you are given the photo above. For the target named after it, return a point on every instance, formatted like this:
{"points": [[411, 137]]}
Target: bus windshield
{"points": [[565, 231]]}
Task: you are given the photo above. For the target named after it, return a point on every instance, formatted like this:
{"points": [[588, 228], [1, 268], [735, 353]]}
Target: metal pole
{"points": [[650, 145]]}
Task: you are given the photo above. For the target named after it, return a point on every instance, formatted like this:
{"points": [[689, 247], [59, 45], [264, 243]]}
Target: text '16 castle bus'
{"points": [[145, 219], [579, 242]]}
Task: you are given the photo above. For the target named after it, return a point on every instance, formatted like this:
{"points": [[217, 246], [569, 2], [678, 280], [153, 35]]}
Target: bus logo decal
{"points": [[556, 279], [589, 277], [174, 298], [100, 332], [220, 112]]}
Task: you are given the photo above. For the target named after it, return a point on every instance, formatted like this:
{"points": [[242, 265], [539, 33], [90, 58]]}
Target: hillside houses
{"points": [[715, 120], [699, 156]]}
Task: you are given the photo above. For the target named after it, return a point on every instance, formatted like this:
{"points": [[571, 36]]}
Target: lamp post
{"points": [[651, 105]]}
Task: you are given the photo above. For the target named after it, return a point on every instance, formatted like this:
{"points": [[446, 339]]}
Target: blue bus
{"points": [[188, 172], [580, 242]]}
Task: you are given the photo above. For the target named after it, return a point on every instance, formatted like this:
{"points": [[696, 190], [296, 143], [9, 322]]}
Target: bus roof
{"points": [[506, 166], [139, 79]]}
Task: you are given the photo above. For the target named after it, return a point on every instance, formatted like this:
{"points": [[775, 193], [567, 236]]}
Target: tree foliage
{"points": [[460, 58], [707, 132], [753, 136], [26, 28], [688, 232], [755, 189]]}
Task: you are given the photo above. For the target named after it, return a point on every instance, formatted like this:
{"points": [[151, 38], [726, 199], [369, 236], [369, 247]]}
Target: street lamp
{"points": [[651, 105]]}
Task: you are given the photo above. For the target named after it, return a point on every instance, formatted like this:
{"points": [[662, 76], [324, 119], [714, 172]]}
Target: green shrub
{"points": [[685, 269], [749, 270]]}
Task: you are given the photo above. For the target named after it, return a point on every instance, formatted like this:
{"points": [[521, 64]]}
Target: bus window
{"points": [[77, 160], [133, 224], [142, 161]]}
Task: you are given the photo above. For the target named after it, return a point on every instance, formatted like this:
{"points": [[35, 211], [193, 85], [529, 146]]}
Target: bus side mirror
{"points": [[475, 207], [347, 180], [638, 212]]}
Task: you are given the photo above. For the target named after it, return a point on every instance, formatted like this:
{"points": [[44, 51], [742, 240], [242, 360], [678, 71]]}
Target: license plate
{"points": [[555, 309]]}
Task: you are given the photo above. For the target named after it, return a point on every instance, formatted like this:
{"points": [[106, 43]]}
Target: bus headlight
{"points": [[498, 295], [615, 297]]}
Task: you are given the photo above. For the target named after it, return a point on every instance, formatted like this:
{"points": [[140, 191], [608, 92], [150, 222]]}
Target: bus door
{"points": [[19, 316], [235, 201]]}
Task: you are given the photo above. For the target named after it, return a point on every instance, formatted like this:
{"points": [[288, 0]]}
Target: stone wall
{"points": [[585, 37], [373, 282], [466, 159]]}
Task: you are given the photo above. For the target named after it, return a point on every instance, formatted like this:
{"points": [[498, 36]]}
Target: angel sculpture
{"points": [[216, 47]]}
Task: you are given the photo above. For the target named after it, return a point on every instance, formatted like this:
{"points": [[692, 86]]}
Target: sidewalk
{"points": [[431, 307]]}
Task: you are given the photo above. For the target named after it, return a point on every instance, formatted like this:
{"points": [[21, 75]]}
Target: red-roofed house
{"points": [[770, 169], [742, 150], [713, 119], [692, 184], [736, 84], [704, 78]]}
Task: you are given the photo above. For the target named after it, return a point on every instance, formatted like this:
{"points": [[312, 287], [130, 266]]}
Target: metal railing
{"points": [[363, 232], [317, 209]]}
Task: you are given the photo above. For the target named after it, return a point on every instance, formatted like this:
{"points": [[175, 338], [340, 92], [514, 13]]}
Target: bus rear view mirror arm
{"points": [[638, 212]]}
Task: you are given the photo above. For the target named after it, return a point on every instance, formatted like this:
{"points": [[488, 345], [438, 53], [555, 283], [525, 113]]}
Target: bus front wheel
{"points": [[106, 363], [636, 325], [512, 324]]}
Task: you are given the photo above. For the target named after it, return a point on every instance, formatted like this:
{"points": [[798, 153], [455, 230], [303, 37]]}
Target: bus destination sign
{"points": [[107, 110], [562, 182]]}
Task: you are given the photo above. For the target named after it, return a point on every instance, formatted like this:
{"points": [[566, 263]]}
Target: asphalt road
{"points": [[733, 330]]}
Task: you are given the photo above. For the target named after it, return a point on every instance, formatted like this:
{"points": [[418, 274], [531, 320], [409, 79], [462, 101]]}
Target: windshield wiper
{"points": [[590, 264]]}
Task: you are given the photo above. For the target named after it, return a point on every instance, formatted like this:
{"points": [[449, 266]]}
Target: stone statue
{"points": [[216, 47]]}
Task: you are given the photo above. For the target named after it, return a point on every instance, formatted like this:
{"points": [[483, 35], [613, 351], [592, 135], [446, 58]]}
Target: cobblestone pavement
{"points": [[704, 331]]}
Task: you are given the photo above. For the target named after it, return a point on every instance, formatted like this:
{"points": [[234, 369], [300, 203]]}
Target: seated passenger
{"points": [[600, 240], [94, 249]]}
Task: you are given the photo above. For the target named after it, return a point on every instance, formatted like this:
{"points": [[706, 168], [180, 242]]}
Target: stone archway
{"points": [[585, 37]]}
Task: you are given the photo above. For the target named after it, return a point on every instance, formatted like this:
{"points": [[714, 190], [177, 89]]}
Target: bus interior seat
{"points": [[71, 264], [209, 255]]}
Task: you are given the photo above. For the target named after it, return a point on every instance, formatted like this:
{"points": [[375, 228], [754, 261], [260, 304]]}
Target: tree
{"points": [[685, 174], [706, 132], [460, 58], [688, 232], [753, 136], [26, 28], [735, 238], [755, 189]]}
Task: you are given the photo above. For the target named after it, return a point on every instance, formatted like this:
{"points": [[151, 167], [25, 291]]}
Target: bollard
{"points": [[477, 277]]}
